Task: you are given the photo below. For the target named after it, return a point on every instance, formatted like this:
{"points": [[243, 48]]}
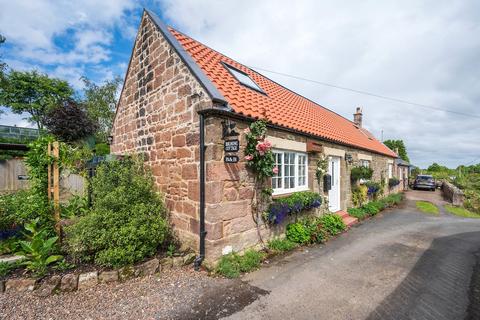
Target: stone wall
{"points": [[452, 194], [157, 117], [230, 189]]}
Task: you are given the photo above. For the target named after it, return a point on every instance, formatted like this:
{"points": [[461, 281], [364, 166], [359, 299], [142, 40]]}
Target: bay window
{"points": [[292, 172]]}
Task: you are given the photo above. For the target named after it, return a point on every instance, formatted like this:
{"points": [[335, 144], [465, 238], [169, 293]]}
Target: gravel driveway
{"points": [[401, 264]]}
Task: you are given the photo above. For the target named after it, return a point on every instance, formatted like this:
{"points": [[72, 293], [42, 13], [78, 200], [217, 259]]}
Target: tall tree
{"points": [[100, 102], [398, 144], [34, 93]]}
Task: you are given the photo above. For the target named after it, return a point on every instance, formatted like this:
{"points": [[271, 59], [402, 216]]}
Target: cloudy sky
{"points": [[426, 52]]}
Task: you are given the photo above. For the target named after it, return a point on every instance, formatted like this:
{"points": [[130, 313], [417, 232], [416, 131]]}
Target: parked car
{"points": [[425, 182]]}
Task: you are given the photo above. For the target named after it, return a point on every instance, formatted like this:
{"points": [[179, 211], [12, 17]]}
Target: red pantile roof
{"points": [[280, 105]]}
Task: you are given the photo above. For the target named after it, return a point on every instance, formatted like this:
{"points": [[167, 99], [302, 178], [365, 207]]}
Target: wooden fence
{"points": [[14, 175]]}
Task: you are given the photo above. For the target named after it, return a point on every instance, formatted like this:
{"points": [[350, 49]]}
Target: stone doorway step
{"points": [[347, 219]]}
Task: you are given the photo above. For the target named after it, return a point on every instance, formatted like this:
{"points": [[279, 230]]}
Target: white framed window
{"points": [[390, 171], [292, 172], [365, 163]]}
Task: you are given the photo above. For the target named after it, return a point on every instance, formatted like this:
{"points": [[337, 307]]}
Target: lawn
{"points": [[461, 212], [427, 207]]}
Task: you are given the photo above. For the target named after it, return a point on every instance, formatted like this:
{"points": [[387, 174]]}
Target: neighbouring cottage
{"points": [[180, 95]]}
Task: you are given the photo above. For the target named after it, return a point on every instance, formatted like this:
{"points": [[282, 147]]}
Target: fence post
{"points": [[56, 187]]}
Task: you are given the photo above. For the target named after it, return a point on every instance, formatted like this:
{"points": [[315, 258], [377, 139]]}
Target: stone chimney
{"points": [[357, 117]]}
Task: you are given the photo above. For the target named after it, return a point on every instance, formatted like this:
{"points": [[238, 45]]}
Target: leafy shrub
{"points": [[358, 213], [359, 195], [296, 232], [392, 199], [19, 208], [128, 220], [38, 248], [232, 264], [315, 229], [378, 204], [332, 223], [76, 206], [295, 203], [370, 208], [361, 172], [281, 245]]}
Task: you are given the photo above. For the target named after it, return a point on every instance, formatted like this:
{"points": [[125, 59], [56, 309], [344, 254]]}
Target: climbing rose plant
{"points": [[258, 152]]}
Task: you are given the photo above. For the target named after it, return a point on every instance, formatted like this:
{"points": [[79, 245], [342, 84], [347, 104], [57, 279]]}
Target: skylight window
{"points": [[244, 78]]}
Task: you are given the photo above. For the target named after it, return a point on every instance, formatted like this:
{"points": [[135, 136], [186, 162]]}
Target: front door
{"points": [[334, 192]]}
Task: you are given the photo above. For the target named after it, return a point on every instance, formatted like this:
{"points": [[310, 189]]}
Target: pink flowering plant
{"points": [[258, 152]]}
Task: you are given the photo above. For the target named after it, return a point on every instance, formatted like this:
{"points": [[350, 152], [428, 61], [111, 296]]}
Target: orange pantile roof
{"points": [[280, 105]]}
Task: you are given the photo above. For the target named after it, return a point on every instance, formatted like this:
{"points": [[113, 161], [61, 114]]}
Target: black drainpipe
{"points": [[198, 261]]}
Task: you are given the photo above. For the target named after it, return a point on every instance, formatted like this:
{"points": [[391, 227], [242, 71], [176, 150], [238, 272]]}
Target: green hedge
{"points": [[315, 229], [374, 207]]}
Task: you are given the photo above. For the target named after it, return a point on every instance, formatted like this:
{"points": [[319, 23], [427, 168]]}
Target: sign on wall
{"points": [[230, 159], [230, 144]]}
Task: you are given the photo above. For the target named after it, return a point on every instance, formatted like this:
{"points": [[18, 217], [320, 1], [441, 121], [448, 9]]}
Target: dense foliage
{"points": [[99, 102], [374, 207], [69, 122], [292, 204], [233, 264], [395, 145], [127, 222], [258, 152], [315, 229], [359, 195], [33, 93], [361, 172]]}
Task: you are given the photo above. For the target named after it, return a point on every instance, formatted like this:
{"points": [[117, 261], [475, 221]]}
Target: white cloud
{"points": [[423, 51]]}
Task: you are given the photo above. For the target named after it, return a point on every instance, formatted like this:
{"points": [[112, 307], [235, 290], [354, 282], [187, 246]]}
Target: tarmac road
{"points": [[402, 264]]}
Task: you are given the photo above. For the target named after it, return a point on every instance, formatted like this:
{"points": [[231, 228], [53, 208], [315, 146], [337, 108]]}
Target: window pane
{"points": [[289, 176], [277, 178]]}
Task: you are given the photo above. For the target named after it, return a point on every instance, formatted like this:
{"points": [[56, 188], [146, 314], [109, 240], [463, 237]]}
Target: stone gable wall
{"points": [[157, 117]]}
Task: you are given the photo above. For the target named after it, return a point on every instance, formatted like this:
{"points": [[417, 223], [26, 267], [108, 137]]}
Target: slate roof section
{"points": [[279, 105]]}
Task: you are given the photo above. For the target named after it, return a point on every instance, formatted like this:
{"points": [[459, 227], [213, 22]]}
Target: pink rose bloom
{"points": [[275, 170], [247, 130], [248, 157]]}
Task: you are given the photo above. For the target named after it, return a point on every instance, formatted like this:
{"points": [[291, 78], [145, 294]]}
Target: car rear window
{"points": [[425, 178]]}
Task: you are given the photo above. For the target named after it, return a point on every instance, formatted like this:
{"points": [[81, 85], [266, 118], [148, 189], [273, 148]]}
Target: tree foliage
{"points": [[69, 122], [34, 93], [398, 144], [100, 101]]}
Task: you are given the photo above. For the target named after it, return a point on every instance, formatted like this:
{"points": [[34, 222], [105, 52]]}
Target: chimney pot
{"points": [[357, 117]]}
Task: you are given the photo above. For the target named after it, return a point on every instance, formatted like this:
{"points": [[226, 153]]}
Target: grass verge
{"points": [[233, 264], [427, 207], [461, 212]]}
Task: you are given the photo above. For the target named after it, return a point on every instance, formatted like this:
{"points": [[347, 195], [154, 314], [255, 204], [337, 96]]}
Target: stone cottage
{"points": [[185, 106]]}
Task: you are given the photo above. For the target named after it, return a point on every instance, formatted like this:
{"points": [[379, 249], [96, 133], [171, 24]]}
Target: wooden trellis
{"points": [[54, 183]]}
